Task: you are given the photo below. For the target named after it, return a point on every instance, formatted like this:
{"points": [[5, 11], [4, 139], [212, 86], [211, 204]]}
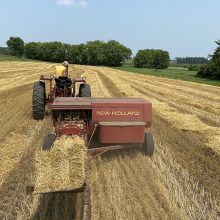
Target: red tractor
{"points": [[105, 123], [65, 87]]}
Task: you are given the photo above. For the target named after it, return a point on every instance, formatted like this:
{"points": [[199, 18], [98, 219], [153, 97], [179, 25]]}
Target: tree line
{"points": [[111, 53], [150, 58], [212, 69], [191, 60]]}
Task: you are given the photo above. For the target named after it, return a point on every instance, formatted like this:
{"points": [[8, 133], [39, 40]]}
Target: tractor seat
{"points": [[65, 79], [62, 82]]}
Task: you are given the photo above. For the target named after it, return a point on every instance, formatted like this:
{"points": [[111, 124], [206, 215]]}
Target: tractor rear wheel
{"points": [[148, 146], [38, 101], [84, 90], [48, 141]]}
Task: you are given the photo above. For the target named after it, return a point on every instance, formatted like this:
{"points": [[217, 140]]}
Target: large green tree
{"points": [[147, 58], [16, 46], [161, 59], [73, 53], [31, 50], [144, 58], [95, 52], [116, 53], [212, 69]]}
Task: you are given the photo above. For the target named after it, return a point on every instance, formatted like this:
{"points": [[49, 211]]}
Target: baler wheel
{"points": [[48, 141], [84, 90], [148, 145], [38, 101]]}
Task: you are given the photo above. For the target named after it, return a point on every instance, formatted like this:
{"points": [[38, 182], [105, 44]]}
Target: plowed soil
{"points": [[181, 181]]}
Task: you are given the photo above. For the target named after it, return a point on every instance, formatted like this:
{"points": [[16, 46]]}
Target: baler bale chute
{"points": [[104, 124]]}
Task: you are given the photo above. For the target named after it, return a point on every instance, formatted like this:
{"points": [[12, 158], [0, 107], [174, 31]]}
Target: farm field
{"points": [[173, 72], [181, 181]]}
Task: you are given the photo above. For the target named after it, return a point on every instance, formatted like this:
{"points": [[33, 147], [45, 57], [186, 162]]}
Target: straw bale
{"points": [[62, 167]]}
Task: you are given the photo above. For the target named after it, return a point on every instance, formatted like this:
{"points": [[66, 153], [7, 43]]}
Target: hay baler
{"points": [[104, 123]]}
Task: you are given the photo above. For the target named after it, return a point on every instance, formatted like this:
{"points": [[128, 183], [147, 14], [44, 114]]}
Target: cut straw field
{"points": [[20, 137], [181, 181]]}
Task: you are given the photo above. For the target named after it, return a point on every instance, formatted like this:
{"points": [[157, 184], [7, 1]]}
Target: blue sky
{"points": [[183, 27]]}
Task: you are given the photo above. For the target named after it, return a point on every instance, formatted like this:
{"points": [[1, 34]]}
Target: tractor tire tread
{"points": [[38, 101], [84, 90], [149, 145]]}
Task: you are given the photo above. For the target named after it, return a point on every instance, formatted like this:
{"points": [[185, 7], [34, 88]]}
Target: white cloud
{"points": [[76, 3], [83, 3], [65, 2]]}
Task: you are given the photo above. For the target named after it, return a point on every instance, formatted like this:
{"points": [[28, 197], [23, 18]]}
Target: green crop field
{"points": [[180, 73]]}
